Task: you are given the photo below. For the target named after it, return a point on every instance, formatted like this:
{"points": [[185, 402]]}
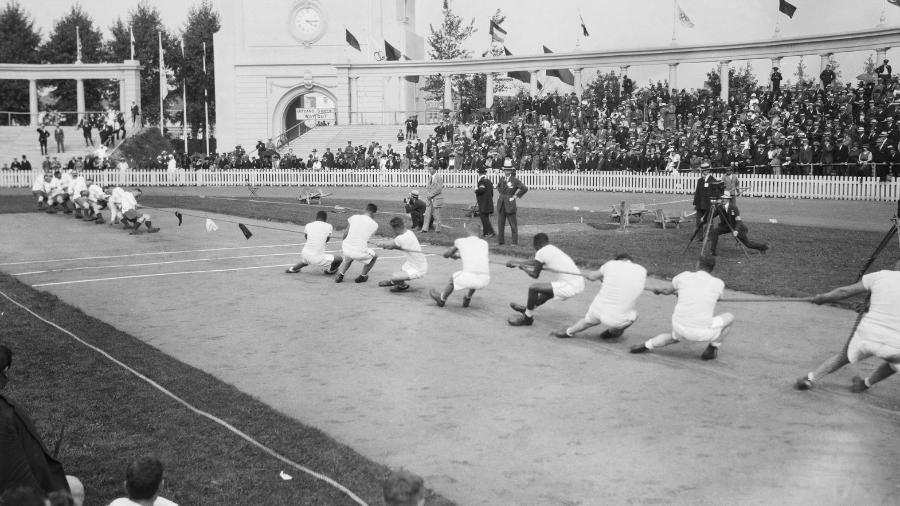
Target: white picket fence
{"points": [[813, 187]]}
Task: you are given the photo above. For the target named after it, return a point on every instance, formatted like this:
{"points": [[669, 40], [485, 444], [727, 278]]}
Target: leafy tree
{"points": [[869, 65], [147, 24], [447, 44], [63, 48], [603, 86], [19, 41], [804, 79], [475, 88], [835, 67], [201, 23], [741, 81]]}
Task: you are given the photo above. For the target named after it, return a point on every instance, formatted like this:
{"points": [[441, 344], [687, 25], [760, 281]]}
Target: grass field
{"points": [[112, 417], [802, 261]]}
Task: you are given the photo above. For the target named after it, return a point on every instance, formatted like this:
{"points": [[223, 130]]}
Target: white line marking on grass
{"points": [[93, 280], [198, 411], [154, 253]]}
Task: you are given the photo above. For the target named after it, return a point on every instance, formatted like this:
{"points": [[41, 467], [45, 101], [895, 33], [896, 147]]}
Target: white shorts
{"points": [[362, 256], [595, 316], [563, 291], [413, 273], [324, 260], [463, 280], [862, 348], [680, 332]]}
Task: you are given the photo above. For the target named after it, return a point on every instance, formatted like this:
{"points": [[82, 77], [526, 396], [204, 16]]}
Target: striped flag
{"points": [[683, 18], [497, 33], [131, 32]]}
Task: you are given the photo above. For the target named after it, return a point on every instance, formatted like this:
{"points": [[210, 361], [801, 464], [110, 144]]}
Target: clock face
{"points": [[307, 20]]}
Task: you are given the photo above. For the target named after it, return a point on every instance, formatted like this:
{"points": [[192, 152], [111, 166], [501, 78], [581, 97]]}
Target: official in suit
{"points": [[435, 201], [25, 459], [484, 196], [733, 216], [703, 193], [509, 190]]}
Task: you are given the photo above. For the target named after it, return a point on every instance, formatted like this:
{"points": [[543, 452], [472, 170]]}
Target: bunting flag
{"points": [[584, 28], [895, 3], [205, 75], [245, 230], [786, 8], [683, 18], [352, 41], [390, 52], [563, 75], [131, 32], [77, 44], [210, 226], [497, 33], [521, 75], [179, 216]]}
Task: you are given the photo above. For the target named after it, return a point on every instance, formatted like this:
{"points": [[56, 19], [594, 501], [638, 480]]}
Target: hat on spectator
{"points": [[726, 194], [482, 170], [507, 164], [414, 193], [704, 166]]}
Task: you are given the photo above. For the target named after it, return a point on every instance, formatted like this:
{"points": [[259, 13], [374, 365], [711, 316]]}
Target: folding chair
{"points": [[252, 188]]}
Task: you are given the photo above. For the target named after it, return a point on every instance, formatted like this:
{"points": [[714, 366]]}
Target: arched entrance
{"points": [[302, 108]]}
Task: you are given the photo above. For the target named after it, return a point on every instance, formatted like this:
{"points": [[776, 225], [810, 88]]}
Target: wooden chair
{"points": [[637, 210], [252, 188]]}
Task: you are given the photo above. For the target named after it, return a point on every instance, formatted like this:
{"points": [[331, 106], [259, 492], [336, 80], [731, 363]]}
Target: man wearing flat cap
{"points": [[416, 209]]}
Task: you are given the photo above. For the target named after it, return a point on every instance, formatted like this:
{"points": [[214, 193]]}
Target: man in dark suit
{"points": [[509, 190], [706, 185], [484, 196], [26, 460], [884, 72], [732, 224], [776, 78], [416, 209]]}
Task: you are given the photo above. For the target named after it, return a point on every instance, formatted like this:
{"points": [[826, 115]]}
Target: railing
{"points": [[284, 138], [812, 187]]}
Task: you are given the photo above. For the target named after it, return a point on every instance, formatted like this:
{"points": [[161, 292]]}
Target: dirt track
{"points": [[491, 414]]}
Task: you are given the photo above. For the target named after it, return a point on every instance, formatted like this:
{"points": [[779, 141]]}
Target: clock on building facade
{"points": [[307, 22]]}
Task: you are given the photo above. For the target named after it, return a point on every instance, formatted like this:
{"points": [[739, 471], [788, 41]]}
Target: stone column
{"points": [[123, 98], [79, 98], [448, 92], [534, 78], [880, 55], [354, 102], [723, 79], [32, 102], [776, 63], [344, 98], [489, 90], [578, 90], [623, 71], [673, 76]]}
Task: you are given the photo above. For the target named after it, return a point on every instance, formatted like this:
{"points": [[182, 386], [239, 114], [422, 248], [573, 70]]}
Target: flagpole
{"points": [[674, 19], [205, 101], [131, 42], [162, 113], [184, 133]]}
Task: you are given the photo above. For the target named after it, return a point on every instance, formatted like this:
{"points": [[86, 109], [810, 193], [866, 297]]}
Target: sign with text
{"points": [[315, 114]]}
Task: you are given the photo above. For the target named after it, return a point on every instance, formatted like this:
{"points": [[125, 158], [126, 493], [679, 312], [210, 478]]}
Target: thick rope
{"points": [[197, 411]]}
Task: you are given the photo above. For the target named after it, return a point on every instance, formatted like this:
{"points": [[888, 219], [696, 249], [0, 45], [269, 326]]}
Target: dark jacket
{"points": [[25, 460], [507, 188], [703, 192], [484, 196]]}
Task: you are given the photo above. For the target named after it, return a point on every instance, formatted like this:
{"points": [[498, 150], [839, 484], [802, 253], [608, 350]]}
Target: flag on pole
{"points": [[131, 32], [683, 18], [352, 41], [894, 2], [584, 28], [390, 52], [78, 44], [521, 75], [786, 8], [563, 75], [182, 49], [163, 87], [497, 33]]}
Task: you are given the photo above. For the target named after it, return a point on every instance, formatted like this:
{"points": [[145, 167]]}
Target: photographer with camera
{"points": [[416, 210], [708, 188]]}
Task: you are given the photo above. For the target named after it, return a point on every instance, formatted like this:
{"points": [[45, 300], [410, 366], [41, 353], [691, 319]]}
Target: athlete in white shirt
{"points": [[569, 281], [55, 192], [144, 479], [40, 189], [877, 335], [623, 282], [317, 234], [416, 265], [96, 201], [115, 205], [77, 186], [693, 316], [356, 243], [475, 274], [131, 216]]}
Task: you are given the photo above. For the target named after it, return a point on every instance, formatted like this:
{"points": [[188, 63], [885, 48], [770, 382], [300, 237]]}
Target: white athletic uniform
{"points": [[566, 286], [623, 282], [129, 203], [416, 265], [76, 186], [475, 273], [115, 204], [878, 333], [124, 501], [54, 188], [356, 244], [693, 317], [38, 185], [317, 233], [95, 193]]}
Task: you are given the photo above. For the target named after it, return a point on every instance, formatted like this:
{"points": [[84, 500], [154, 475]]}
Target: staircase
{"points": [[18, 141], [336, 137]]}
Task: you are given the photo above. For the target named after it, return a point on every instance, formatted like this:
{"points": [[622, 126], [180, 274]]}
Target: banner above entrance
{"points": [[316, 114]]}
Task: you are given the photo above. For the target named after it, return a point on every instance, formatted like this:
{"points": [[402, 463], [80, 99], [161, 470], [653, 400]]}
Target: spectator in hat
{"points": [[703, 194], [435, 198], [484, 196], [416, 210], [510, 189], [884, 72]]}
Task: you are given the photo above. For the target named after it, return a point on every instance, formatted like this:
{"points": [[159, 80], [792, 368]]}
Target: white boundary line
{"points": [[154, 253], [200, 412], [77, 281]]}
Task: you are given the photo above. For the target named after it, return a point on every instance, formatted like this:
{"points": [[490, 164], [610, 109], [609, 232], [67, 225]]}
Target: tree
{"points": [[447, 44], [202, 22], [63, 48], [475, 89], [19, 41], [835, 67], [804, 79], [741, 81], [146, 23], [869, 65], [603, 86]]}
